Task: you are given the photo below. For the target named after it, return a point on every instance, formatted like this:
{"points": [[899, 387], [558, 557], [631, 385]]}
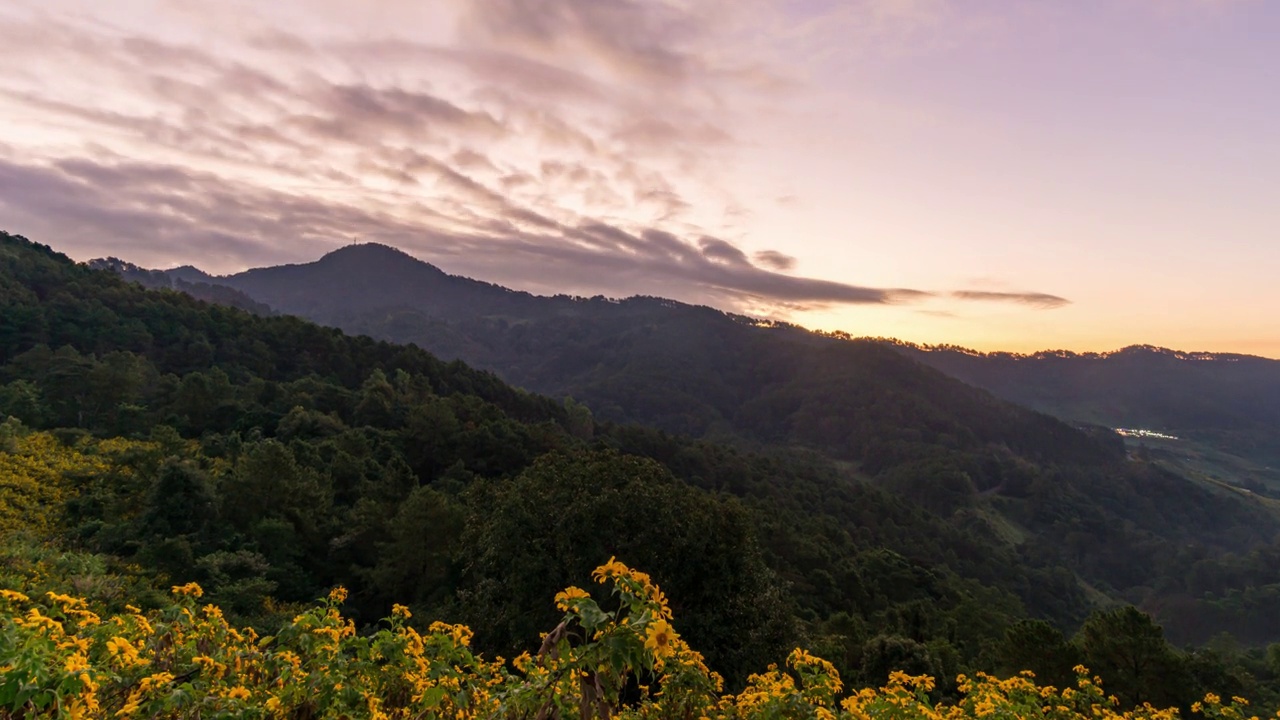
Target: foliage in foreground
{"points": [[58, 658]]}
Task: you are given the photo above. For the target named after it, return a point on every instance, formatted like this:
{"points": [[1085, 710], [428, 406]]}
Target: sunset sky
{"points": [[999, 174]]}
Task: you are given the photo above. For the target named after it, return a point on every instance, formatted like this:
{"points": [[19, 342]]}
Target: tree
{"points": [[568, 513], [884, 654], [1037, 646], [415, 564], [1127, 648]]}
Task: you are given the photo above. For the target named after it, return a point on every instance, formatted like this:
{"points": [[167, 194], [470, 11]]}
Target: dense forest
{"points": [[905, 521]]}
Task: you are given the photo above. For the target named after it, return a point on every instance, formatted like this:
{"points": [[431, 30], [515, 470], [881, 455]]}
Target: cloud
{"points": [[469, 159], [328, 111], [551, 145], [775, 260], [370, 111], [153, 213], [516, 180], [650, 132], [491, 67], [1043, 301], [716, 249], [638, 39]]}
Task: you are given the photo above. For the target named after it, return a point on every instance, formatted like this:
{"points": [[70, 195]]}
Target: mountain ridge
{"points": [[389, 252], [382, 291], [1222, 399], [1127, 350]]}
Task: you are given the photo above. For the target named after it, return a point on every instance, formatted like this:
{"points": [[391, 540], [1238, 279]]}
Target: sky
{"points": [[998, 174]]}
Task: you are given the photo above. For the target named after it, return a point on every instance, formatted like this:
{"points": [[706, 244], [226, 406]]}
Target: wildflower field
{"points": [[623, 658]]}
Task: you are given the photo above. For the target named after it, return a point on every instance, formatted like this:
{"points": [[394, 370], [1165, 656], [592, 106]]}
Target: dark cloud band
{"points": [[1034, 299], [168, 213]]}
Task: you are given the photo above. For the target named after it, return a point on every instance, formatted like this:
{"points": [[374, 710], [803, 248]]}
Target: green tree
{"points": [[21, 399], [1127, 648], [416, 562], [1040, 647], [568, 513], [884, 654]]}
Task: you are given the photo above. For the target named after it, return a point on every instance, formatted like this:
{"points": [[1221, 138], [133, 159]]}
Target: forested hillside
{"points": [[686, 369], [187, 280], [1229, 403], [269, 459], [600, 349], [1062, 496]]}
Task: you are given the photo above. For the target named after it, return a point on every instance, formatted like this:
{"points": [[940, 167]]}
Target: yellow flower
{"points": [[566, 598], [130, 705], [85, 617], [613, 568], [462, 635], [192, 589], [33, 619], [152, 682], [338, 595], [209, 665], [122, 650], [76, 662], [401, 611], [66, 601], [660, 638]]}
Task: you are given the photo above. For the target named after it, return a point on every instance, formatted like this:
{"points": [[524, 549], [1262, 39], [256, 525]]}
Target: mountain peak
{"points": [[374, 255], [369, 249], [364, 277]]}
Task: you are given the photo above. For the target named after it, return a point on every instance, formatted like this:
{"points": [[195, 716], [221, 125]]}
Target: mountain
{"points": [[184, 279], [1056, 495], [683, 368], [1223, 408], [358, 279], [736, 376]]}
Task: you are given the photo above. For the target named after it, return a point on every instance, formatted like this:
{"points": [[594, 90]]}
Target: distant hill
{"points": [[1230, 402], [683, 368], [724, 375], [356, 279], [184, 279]]}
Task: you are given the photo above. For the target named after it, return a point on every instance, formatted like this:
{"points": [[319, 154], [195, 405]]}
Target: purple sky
{"points": [[1001, 175]]}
